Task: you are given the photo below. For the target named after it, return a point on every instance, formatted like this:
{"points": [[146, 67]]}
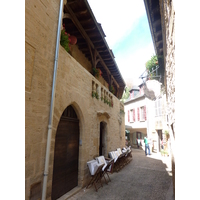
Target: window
{"points": [[132, 115], [142, 113], [135, 93], [158, 107], [128, 116]]}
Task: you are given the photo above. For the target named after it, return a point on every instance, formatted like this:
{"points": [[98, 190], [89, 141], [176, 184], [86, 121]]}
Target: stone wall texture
{"points": [[74, 86], [168, 26]]}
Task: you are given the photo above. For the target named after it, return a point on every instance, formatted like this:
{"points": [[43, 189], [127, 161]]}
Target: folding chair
{"points": [[95, 171], [128, 154], [121, 160], [106, 167], [110, 166], [115, 155]]}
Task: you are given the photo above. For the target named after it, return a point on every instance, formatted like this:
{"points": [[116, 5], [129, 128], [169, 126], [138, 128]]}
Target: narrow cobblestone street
{"points": [[143, 178]]}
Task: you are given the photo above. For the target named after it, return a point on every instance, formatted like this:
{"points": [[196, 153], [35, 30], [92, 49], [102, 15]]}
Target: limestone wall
{"points": [[74, 87], [168, 26]]}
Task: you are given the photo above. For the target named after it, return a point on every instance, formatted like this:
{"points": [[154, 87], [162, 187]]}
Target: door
{"points": [[138, 138], [160, 138], [65, 170], [101, 140]]}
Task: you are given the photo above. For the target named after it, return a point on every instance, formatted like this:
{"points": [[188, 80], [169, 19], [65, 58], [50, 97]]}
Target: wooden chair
{"points": [[95, 171], [128, 154], [117, 160], [107, 167]]}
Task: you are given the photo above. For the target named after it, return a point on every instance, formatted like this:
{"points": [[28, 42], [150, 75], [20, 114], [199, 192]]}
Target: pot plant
{"points": [[95, 94], [151, 64], [167, 134], [112, 89], [96, 72], [65, 40]]}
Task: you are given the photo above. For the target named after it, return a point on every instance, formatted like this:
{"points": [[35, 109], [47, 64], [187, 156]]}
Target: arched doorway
{"points": [[65, 169], [102, 139]]}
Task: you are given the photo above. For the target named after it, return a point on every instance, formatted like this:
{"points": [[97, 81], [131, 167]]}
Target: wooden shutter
{"points": [[138, 112], [145, 113], [128, 116], [134, 115]]}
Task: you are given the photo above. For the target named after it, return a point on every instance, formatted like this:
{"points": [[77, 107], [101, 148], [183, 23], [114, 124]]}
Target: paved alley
{"points": [[143, 178]]}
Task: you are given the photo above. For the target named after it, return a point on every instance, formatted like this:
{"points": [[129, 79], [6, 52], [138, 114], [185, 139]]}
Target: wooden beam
{"points": [[85, 36]]}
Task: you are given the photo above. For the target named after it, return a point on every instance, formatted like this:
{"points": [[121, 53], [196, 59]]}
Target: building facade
{"points": [[146, 117], [161, 17], [71, 115]]}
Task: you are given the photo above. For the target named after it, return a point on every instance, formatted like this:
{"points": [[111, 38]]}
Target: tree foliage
{"points": [[125, 94], [152, 63]]}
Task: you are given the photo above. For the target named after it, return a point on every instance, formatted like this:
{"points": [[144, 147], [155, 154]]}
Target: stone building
{"points": [[161, 17], [146, 114], [71, 114]]}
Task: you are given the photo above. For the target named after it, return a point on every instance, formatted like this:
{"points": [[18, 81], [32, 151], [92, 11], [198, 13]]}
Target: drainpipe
{"points": [[52, 105]]}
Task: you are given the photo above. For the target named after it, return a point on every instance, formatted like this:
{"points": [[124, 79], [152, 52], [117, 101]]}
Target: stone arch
{"points": [[66, 154], [60, 105]]}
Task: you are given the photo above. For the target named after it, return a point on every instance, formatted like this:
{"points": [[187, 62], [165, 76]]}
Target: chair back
{"points": [[101, 160], [119, 151], [93, 166]]}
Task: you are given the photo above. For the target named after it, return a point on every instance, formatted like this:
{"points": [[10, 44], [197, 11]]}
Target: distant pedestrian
{"points": [[138, 143], [146, 146], [162, 144]]}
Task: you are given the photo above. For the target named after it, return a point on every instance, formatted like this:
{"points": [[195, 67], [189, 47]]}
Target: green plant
{"points": [[96, 72], [112, 89], [64, 40], [126, 95], [122, 111], [95, 94], [164, 152], [167, 134], [152, 63], [102, 98]]}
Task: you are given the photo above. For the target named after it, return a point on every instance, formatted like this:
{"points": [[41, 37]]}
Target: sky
{"points": [[127, 34]]}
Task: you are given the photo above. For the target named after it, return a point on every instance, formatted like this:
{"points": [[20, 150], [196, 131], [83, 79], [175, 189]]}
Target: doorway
{"points": [[102, 139], [66, 152], [160, 138], [138, 138]]}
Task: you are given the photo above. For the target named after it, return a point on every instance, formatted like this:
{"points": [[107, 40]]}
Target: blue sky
{"points": [[127, 34], [138, 38]]}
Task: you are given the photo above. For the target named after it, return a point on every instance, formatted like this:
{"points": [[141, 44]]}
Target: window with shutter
{"points": [[158, 107], [128, 116], [134, 115], [145, 113], [156, 113], [138, 112], [131, 115], [131, 95]]}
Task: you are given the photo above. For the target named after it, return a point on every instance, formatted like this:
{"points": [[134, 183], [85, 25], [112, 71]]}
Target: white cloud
{"points": [[117, 18], [133, 65]]}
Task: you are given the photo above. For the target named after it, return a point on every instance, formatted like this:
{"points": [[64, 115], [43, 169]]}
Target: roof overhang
{"points": [[155, 23], [80, 21]]}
